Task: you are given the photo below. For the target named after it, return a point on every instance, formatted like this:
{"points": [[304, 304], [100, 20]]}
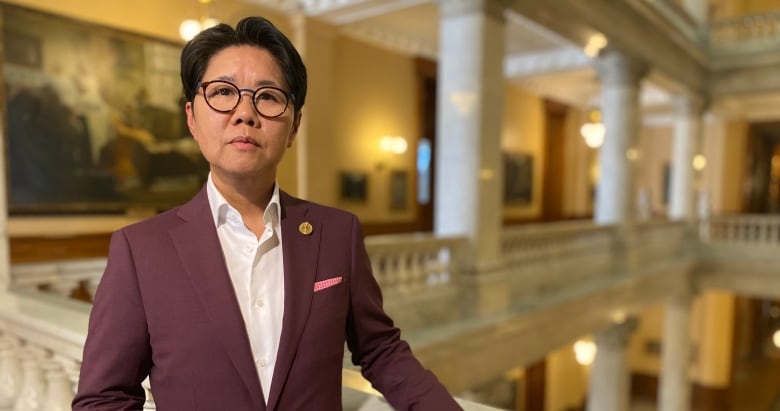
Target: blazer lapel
{"points": [[301, 248], [200, 252]]}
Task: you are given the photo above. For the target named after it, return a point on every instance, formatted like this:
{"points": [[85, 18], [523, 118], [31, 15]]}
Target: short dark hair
{"points": [[252, 31]]}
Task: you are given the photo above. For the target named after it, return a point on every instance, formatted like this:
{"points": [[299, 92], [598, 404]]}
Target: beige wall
{"points": [[375, 96], [523, 132], [150, 17], [566, 380], [580, 167], [714, 335], [655, 148], [725, 147], [649, 333]]}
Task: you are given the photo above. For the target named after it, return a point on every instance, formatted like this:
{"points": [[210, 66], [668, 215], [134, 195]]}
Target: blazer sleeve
{"points": [[117, 353], [385, 359]]}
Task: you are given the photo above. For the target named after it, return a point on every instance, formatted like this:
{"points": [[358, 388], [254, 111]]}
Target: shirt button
{"points": [[248, 250], [259, 303], [261, 362]]}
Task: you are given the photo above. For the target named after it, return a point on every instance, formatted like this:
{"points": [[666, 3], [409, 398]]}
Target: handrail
{"points": [[42, 334]]}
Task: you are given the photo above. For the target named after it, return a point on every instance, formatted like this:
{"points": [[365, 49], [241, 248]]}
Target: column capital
{"points": [[492, 8], [616, 68], [687, 104], [617, 335]]}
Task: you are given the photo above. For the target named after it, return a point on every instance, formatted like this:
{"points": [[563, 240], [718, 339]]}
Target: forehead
{"points": [[235, 61]]}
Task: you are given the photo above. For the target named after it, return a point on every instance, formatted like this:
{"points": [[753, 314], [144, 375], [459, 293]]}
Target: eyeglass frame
{"points": [[203, 84]]}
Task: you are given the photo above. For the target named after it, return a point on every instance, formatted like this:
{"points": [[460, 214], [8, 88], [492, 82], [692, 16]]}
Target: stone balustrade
{"points": [[60, 277], [757, 29], [544, 259], [41, 339], [410, 262], [42, 333], [755, 229], [661, 239]]}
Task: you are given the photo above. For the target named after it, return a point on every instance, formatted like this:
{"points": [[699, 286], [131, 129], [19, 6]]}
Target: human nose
{"points": [[246, 113]]}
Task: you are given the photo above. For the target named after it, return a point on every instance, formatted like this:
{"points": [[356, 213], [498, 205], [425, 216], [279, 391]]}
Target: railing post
{"points": [[10, 371], [32, 392], [59, 392]]}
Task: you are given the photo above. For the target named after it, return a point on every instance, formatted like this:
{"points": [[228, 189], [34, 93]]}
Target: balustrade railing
{"points": [[543, 259], [411, 262], [753, 29], [661, 240], [42, 333], [750, 229]]}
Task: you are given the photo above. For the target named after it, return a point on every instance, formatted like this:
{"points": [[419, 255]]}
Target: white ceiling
{"points": [[412, 26]]}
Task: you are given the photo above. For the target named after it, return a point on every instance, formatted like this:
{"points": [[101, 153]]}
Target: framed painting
{"points": [[518, 178], [399, 182], [354, 186], [95, 118]]}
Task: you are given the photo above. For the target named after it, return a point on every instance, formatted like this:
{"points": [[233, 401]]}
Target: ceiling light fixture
{"points": [[190, 28], [593, 131]]}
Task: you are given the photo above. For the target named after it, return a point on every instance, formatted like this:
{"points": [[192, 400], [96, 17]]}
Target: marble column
{"points": [[698, 9], [610, 388], [674, 389], [620, 77], [686, 145], [316, 42], [469, 171]]}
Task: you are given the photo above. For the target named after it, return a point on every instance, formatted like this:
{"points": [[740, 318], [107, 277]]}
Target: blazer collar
{"points": [[300, 241], [199, 249]]}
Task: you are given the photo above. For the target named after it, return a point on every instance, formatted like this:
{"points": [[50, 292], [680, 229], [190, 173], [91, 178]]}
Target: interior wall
{"points": [[365, 111], [580, 159], [566, 380], [725, 147], [655, 148], [645, 344], [714, 329], [150, 17], [523, 133]]}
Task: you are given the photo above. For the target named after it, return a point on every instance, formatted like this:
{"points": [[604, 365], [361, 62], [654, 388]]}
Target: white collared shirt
{"points": [[256, 270]]}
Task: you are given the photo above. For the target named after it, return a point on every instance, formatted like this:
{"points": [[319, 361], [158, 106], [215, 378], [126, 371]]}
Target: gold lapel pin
{"points": [[305, 228]]}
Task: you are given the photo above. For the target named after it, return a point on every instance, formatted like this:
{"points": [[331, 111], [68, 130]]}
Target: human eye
{"points": [[220, 90], [270, 95]]}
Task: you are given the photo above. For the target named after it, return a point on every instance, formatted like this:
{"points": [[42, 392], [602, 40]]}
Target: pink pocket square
{"points": [[330, 282]]}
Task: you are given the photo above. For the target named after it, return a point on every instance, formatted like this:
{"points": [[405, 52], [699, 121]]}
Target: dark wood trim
{"points": [[39, 249], [554, 160], [426, 71], [535, 382]]}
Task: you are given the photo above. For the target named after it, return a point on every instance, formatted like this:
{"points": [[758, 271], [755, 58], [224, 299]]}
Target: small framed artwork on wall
{"points": [[354, 186], [518, 178], [398, 190]]}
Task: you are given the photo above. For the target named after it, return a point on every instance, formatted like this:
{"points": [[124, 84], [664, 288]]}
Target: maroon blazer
{"points": [[165, 307]]}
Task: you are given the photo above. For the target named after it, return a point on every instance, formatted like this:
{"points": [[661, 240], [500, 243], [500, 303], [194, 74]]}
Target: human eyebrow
{"points": [[266, 83], [226, 78]]}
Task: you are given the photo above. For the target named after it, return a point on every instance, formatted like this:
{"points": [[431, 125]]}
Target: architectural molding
{"points": [[392, 39], [563, 59], [493, 8]]}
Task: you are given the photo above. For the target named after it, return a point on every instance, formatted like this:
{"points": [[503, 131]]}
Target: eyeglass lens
{"points": [[223, 96]]}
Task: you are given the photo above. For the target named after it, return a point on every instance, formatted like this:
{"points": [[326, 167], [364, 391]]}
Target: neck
{"points": [[248, 195]]}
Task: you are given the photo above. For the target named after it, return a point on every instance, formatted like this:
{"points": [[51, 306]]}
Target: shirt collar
{"points": [[220, 207]]}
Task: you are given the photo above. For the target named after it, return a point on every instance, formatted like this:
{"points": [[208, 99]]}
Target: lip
{"points": [[243, 141]]}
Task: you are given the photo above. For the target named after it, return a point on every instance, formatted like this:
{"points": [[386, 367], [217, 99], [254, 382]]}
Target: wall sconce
{"points": [[699, 162], [584, 352], [393, 144], [190, 28], [593, 131]]}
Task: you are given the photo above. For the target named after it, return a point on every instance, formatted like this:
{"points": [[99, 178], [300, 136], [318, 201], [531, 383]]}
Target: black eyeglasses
{"points": [[224, 96]]}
